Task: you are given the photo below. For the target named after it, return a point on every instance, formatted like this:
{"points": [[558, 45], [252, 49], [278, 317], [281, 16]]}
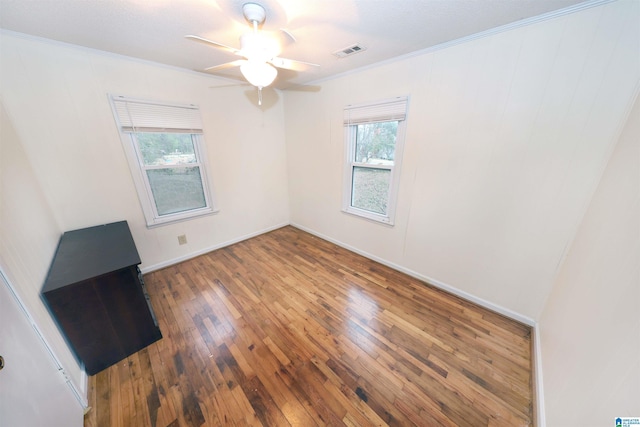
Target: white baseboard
{"points": [[84, 383], [536, 350], [154, 267], [537, 362], [438, 284], [451, 289], [455, 291], [537, 378]]}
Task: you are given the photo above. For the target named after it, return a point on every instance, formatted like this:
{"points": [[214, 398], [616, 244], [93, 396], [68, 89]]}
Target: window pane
{"points": [[166, 148], [176, 189], [370, 189], [376, 143]]}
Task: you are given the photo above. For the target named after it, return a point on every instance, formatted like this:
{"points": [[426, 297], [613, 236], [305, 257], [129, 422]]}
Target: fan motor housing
{"points": [[253, 12]]}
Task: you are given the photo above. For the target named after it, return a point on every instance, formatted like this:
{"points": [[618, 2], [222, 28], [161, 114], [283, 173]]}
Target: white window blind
{"points": [[385, 111], [148, 116]]}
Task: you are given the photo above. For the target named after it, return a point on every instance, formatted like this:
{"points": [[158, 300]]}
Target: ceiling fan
{"points": [[260, 51]]}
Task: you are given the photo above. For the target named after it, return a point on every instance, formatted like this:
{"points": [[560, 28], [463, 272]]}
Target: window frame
{"points": [[138, 168], [350, 135]]}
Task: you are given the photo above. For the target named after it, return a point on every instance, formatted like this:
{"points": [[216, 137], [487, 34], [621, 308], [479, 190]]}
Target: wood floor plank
{"points": [[116, 391], [286, 329], [100, 414]]}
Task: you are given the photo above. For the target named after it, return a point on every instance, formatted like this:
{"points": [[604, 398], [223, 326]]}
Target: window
{"points": [[374, 136], [165, 148]]}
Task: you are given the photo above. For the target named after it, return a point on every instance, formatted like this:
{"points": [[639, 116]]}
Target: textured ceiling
{"points": [[154, 30]]}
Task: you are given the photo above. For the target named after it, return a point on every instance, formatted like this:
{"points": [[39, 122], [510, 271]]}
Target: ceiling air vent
{"points": [[348, 51]]}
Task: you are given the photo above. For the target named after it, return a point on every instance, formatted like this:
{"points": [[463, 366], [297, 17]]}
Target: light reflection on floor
{"points": [[366, 309]]}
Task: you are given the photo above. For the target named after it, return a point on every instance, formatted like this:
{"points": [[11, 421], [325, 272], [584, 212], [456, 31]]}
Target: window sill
{"points": [[371, 216], [179, 217]]}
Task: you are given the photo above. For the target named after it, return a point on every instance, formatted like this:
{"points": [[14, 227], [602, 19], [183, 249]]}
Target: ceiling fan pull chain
{"points": [[259, 95]]}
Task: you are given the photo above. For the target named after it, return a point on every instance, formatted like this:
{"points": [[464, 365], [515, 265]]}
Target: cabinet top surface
{"points": [[91, 252]]}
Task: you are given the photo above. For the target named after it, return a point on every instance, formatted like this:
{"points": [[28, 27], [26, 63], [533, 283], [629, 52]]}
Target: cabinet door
{"points": [[105, 319], [84, 319], [124, 299]]}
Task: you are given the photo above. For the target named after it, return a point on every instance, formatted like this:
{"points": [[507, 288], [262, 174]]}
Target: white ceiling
{"points": [[154, 30]]}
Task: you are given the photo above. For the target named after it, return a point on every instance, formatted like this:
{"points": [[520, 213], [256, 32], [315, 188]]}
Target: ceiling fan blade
{"points": [[214, 44], [286, 38], [291, 64], [226, 65]]}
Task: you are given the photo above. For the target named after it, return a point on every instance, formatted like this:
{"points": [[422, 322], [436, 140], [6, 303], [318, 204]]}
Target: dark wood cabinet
{"points": [[95, 291]]}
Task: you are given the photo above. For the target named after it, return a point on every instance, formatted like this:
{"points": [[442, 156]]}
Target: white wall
{"points": [[63, 166], [56, 96], [590, 328], [28, 239], [507, 137]]}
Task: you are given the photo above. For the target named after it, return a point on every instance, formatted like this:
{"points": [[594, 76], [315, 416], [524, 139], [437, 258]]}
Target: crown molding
{"points": [[487, 33]]}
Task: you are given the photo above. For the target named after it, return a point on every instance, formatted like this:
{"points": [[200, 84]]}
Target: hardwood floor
{"points": [[286, 329]]}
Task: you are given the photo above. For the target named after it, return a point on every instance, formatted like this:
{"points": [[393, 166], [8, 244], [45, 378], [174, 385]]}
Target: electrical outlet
{"points": [[182, 239]]}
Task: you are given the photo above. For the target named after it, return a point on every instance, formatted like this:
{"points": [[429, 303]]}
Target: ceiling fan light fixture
{"points": [[259, 74], [260, 50], [258, 47]]}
